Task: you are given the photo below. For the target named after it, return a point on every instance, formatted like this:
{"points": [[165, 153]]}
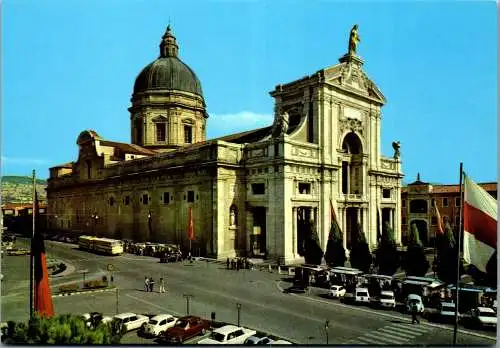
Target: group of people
{"points": [[150, 282], [238, 263]]}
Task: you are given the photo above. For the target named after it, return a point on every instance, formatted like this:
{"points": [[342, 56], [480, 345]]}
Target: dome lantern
{"points": [[168, 45]]}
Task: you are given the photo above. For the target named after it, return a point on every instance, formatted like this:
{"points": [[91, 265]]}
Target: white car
{"points": [[228, 334], [258, 340], [482, 316], [337, 291], [131, 321], [159, 324], [94, 318], [413, 299], [280, 342], [361, 295], [387, 299]]}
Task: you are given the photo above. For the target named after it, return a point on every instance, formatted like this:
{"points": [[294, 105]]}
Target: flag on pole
{"points": [[190, 229], [335, 231], [439, 220], [43, 297], [480, 225]]}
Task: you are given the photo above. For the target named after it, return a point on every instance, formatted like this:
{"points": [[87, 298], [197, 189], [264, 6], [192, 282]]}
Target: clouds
{"points": [[225, 124]]}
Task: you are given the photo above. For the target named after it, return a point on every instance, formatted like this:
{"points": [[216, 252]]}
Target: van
{"points": [[361, 295]]}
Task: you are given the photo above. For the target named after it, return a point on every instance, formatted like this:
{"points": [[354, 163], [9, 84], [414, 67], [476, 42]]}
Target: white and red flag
{"points": [[439, 220], [480, 225]]}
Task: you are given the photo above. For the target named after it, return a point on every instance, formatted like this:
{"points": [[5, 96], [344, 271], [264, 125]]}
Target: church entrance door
{"points": [[258, 236]]}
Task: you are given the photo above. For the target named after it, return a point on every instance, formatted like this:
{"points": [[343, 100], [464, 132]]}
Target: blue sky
{"points": [[70, 65]]}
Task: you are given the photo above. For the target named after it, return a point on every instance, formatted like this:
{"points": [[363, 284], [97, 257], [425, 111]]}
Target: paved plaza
{"points": [[298, 318]]}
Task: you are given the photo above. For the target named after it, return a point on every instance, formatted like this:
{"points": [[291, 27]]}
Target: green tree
{"points": [[360, 256], [387, 257], [312, 253], [447, 253], [335, 252], [415, 263], [59, 330]]}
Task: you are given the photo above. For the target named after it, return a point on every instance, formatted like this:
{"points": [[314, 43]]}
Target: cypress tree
{"points": [[360, 256], [335, 252], [387, 253], [416, 263]]}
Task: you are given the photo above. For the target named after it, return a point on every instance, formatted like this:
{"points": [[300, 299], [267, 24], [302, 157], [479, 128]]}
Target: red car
{"points": [[185, 328]]}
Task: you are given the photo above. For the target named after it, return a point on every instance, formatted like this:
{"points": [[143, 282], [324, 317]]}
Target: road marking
{"points": [[154, 305], [397, 331], [385, 340], [391, 336], [422, 330], [467, 332]]}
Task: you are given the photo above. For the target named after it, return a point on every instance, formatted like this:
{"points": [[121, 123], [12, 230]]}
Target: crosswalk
{"points": [[394, 334]]}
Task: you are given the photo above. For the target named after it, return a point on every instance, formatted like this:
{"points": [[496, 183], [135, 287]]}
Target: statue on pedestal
{"points": [[354, 39], [396, 145]]}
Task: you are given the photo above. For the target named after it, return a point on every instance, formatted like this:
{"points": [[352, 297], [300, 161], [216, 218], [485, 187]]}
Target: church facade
{"points": [[252, 193]]}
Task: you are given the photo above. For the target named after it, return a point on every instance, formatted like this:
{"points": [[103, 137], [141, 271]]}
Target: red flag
{"points": [[480, 225], [332, 212], [439, 221], [43, 297], [190, 228]]}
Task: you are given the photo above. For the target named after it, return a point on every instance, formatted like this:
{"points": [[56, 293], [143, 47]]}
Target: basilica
{"points": [[249, 193]]}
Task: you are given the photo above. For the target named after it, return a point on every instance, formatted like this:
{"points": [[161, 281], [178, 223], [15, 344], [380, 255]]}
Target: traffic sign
{"points": [[110, 267]]}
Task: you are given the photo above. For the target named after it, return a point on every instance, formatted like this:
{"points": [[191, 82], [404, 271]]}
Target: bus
{"points": [[100, 245]]}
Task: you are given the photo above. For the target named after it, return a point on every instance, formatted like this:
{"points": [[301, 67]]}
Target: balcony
{"points": [[352, 196]]}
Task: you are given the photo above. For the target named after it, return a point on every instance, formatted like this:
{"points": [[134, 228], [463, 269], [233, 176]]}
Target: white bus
{"points": [[101, 245]]}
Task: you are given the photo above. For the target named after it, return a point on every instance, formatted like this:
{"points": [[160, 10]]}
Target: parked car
{"points": [[445, 312], [131, 321], [185, 328], [93, 319], [296, 289], [336, 291], [158, 324], [280, 342], [361, 295], [480, 317], [414, 299], [252, 340], [387, 299], [228, 334]]}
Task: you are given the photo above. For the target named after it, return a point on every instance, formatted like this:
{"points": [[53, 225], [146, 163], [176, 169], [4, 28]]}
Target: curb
{"points": [[83, 292]]}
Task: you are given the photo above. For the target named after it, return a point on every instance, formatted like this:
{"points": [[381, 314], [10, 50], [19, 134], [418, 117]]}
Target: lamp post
{"points": [[95, 217], [238, 307], [327, 324], [187, 297], [150, 227]]}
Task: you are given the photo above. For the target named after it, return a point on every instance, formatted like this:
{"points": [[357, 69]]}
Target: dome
{"points": [[168, 72]]}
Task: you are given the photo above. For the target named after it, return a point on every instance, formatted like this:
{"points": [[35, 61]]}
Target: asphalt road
{"points": [[299, 318]]}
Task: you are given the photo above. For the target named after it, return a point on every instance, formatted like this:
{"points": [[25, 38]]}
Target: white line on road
{"points": [[390, 315], [154, 305], [377, 336], [397, 331]]}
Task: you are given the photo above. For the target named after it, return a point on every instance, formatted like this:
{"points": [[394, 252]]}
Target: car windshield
{"points": [[386, 297], [414, 301], [365, 294], [153, 322], [217, 336], [487, 314]]}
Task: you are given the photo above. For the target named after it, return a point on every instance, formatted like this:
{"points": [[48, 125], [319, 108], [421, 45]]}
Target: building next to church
{"points": [[254, 193], [417, 204]]}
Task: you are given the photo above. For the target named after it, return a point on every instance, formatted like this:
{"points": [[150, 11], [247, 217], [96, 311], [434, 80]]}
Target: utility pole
{"points": [[187, 297], [327, 324], [32, 268], [117, 300]]}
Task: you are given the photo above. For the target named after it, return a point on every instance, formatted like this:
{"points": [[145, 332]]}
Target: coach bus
{"points": [[101, 245]]}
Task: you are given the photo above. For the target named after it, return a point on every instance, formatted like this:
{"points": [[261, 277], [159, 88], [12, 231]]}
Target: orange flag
{"points": [[190, 229], [439, 221]]}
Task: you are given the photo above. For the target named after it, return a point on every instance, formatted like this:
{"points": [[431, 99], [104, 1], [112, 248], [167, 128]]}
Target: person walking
{"points": [[162, 286], [227, 263], [414, 314], [151, 284], [237, 264], [146, 284]]}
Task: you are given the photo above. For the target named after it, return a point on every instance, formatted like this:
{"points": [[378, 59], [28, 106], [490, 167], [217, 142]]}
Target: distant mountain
{"points": [[22, 180], [19, 189]]}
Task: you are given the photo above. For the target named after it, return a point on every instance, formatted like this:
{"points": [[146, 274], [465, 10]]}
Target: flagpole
{"points": [[31, 253], [458, 257]]}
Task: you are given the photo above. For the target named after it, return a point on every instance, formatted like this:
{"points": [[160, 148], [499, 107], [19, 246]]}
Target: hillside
{"points": [[19, 189]]}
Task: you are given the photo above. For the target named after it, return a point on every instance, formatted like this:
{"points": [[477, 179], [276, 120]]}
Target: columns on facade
{"points": [[391, 217], [294, 232], [344, 226]]}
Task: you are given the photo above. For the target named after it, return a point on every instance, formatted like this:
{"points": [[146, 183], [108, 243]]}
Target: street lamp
{"points": [[327, 324], [238, 307], [187, 297], [95, 217]]}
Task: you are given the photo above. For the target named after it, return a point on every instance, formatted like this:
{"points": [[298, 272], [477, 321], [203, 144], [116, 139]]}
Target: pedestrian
{"points": [[232, 263], [151, 284], [146, 284], [414, 314], [112, 280], [227, 263], [162, 286], [237, 264]]}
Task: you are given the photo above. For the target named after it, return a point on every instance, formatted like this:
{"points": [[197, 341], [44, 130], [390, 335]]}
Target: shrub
{"points": [[93, 284]]}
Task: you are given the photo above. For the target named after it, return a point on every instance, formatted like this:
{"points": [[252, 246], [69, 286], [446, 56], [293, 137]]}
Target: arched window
{"points": [[352, 144], [233, 216]]}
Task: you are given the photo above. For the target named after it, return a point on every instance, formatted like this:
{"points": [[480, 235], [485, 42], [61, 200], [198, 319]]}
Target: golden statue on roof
{"points": [[354, 39]]}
